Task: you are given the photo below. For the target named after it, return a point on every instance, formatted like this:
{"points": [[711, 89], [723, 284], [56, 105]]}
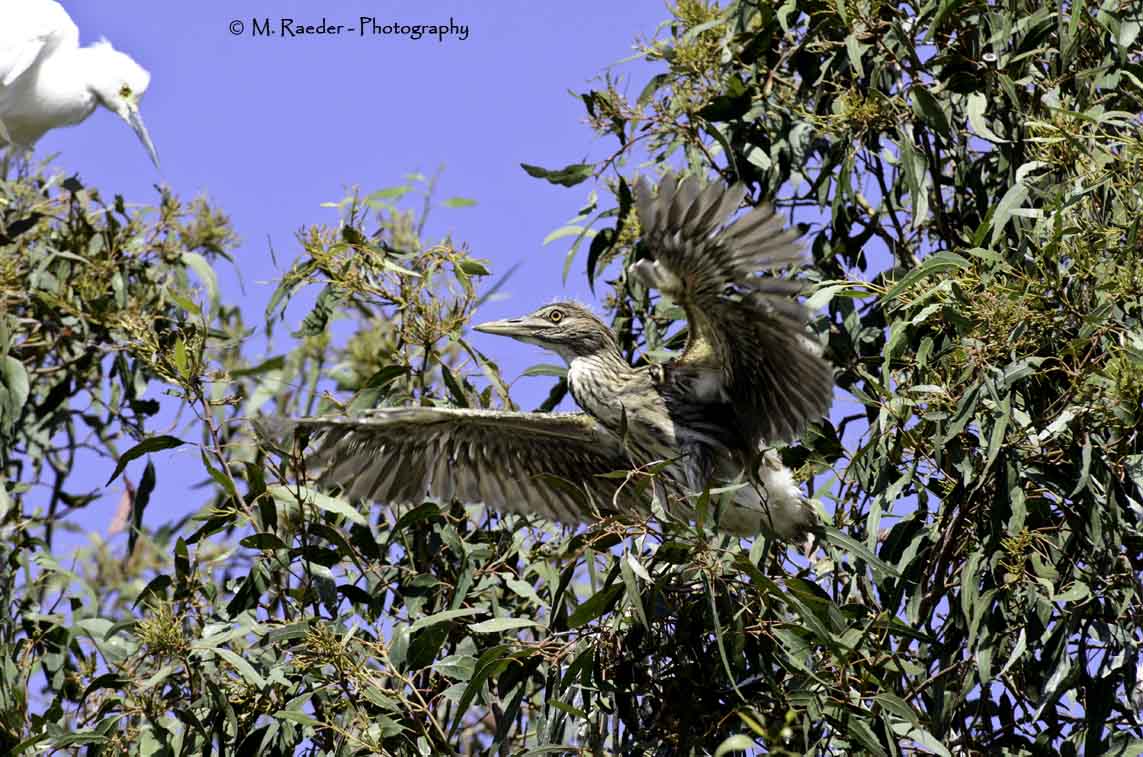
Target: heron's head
{"points": [[118, 83], [568, 329]]}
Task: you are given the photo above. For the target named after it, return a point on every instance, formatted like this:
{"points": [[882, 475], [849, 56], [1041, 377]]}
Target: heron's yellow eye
{"points": [[555, 316], [124, 91]]}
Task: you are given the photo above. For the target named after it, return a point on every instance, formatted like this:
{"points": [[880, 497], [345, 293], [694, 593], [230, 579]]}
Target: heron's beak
{"points": [[130, 114], [513, 327]]}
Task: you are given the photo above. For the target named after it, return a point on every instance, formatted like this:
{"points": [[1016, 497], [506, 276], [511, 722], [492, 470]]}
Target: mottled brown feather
{"points": [[746, 329]]}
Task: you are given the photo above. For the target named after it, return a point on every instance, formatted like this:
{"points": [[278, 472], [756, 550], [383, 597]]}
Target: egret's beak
{"points": [[513, 327], [130, 114]]}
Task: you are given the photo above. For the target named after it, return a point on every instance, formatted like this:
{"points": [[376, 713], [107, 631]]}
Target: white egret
{"points": [[48, 80]]}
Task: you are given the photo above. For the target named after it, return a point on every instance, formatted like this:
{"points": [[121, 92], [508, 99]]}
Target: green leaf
{"points": [[716, 133], [474, 267], [422, 512], [726, 107], [758, 158], [13, 385], [914, 167], [739, 742], [861, 732], [632, 588], [224, 482], [335, 505], [546, 369], [377, 386], [391, 266], [1085, 468], [205, 272], [381, 197], [502, 624], [568, 176], [324, 307], [455, 392], [156, 587], [1077, 592], [458, 202], [828, 290], [600, 244], [975, 105], [856, 50], [490, 661], [443, 616], [263, 541], [940, 262], [244, 668], [924, 738], [596, 605], [567, 231], [896, 706], [296, 716], [718, 637], [152, 444], [275, 363], [294, 278], [997, 437], [1055, 686], [1005, 209], [139, 504], [862, 552], [929, 110], [425, 644], [653, 85]]}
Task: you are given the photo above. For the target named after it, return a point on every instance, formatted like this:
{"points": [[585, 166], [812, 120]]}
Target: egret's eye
{"points": [[124, 91], [555, 316]]}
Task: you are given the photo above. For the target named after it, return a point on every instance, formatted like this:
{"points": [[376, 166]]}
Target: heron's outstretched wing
{"points": [[746, 343], [542, 463], [29, 29]]}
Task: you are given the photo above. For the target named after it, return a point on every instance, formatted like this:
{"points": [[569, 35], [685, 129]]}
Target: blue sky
{"points": [[269, 128]]}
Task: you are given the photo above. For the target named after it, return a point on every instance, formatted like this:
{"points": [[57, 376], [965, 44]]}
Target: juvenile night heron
{"points": [[747, 378], [48, 80]]}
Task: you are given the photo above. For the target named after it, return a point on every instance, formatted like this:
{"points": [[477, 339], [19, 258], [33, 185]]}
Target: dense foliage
{"points": [[971, 179]]}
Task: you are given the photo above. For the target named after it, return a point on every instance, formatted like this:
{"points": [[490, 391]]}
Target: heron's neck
{"points": [[596, 380], [606, 359]]}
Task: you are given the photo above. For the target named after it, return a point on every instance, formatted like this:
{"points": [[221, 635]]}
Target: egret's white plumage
{"points": [[48, 80]]}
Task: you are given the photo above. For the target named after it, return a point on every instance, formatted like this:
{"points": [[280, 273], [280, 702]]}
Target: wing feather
{"points": [[746, 328], [504, 460], [30, 31]]}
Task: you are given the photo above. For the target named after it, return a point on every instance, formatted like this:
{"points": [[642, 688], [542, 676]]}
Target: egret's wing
{"points": [[543, 463], [30, 29], [746, 343]]}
